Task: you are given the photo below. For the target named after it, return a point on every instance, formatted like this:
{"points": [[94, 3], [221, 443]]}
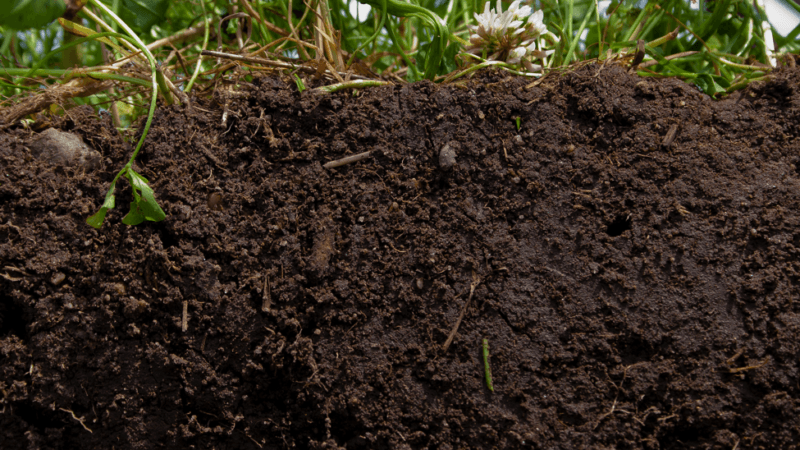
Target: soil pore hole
{"points": [[620, 224]]}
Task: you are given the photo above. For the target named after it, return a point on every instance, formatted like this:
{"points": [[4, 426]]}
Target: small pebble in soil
{"points": [[215, 201], [119, 288], [447, 156], [58, 278]]}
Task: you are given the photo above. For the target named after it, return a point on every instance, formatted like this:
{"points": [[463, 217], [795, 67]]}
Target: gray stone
{"points": [[61, 148]]}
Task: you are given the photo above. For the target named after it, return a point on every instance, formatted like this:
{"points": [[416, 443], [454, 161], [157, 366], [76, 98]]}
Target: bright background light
{"points": [[782, 16], [359, 10]]}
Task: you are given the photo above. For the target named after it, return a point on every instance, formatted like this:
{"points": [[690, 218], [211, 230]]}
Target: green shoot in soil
{"points": [[486, 369], [300, 86], [144, 205]]}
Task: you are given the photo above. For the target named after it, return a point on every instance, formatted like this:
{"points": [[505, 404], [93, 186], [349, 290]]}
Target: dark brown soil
{"points": [[633, 294]]}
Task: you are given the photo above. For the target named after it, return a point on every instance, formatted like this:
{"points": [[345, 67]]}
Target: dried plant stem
{"points": [[294, 33], [270, 26], [185, 316], [188, 33], [250, 59], [653, 62], [266, 297], [475, 282], [356, 84], [346, 160]]}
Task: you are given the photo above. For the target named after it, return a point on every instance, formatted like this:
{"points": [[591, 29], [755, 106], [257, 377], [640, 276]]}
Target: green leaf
{"points": [[449, 59], [24, 14], [97, 219], [300, 85], [80, 30], [710, 84], [134, 216], [143, 14], [144, 205]]}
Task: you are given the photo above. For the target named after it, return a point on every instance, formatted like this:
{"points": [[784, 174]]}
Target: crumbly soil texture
{"points": [[627, 247]]}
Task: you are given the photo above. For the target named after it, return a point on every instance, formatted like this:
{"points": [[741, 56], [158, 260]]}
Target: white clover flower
{"points": [[512, 36]]}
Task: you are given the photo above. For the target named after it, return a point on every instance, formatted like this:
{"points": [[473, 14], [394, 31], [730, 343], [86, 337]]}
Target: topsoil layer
{"points": [[628, 248]]}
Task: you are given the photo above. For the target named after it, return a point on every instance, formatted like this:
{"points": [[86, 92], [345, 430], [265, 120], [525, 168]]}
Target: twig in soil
{"points": [[670, 136], [213, 158], [475, 282], [266, 298], [614, 405], [254, 441], [79, 419], [664, 419], [9, 277], [185, 316], [346, 160], [613, 408], [732, 359], [751, 367]]}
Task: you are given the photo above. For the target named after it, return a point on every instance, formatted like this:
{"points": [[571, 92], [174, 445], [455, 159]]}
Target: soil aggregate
{"points": [[628, 246]]}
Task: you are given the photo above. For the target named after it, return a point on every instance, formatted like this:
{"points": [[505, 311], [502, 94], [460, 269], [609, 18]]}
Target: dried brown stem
{"points": [[475, 282], [79, 87], [346, 160], [251, 59], [188, 33], [668, 58], [253, 13]]}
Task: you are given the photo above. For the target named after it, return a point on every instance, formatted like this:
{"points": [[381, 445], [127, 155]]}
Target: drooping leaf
{"points": [[24, 14], [97, 219], [711, 84], [80, 30], [134, 216], [143, 14], [144, 205]]}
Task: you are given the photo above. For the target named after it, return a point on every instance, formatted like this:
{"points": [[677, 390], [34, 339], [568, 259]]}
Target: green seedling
{"points": [[518, 119], [144, 205], [300, 85], [486, 369]]}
